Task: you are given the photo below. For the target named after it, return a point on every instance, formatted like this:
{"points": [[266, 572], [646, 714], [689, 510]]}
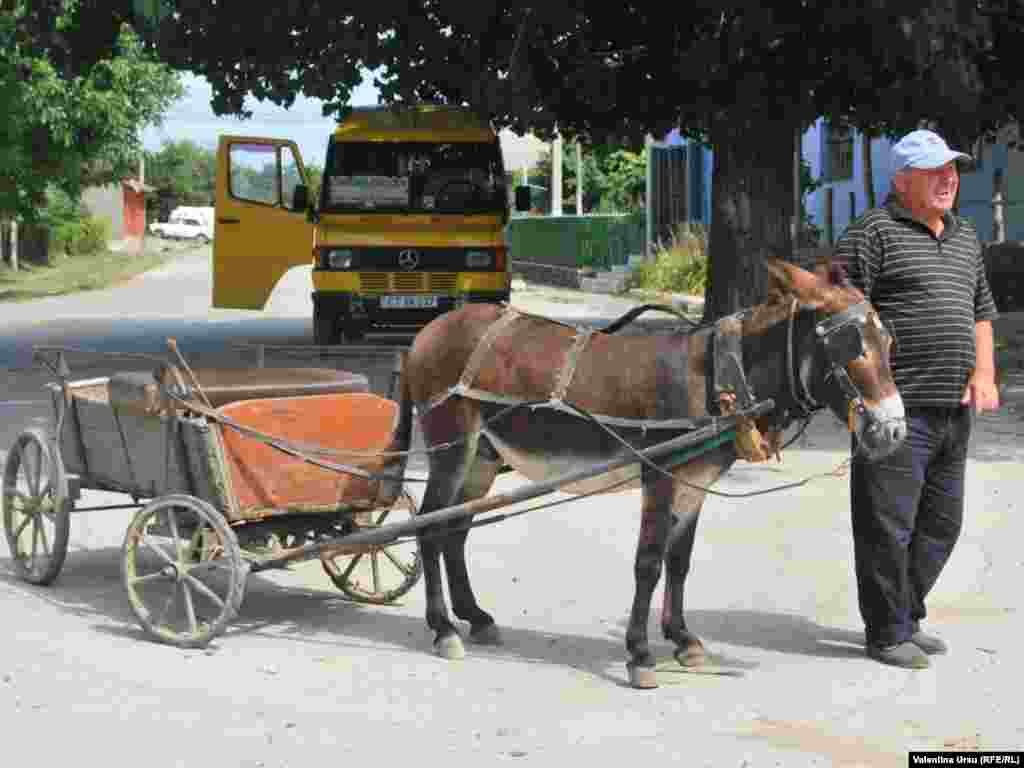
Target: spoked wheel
{"points": [[183, 570], [378, 574], [37, 510]]}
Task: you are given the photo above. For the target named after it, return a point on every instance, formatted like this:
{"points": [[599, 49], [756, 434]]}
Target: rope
{"points": [[839, 471]]}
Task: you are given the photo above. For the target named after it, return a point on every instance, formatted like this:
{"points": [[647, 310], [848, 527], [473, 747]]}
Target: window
{"points": [[290, 176], [465, 177], [254, 173], [838, 154]]}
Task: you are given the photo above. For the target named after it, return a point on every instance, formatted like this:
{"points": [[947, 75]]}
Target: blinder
{"points": [[844, 344], [842, 336]]}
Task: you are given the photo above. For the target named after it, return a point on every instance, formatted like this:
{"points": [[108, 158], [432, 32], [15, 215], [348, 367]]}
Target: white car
{"points": [[183, 227]]}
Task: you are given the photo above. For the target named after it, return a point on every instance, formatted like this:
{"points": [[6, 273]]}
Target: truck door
{"points": [[257, 234]]}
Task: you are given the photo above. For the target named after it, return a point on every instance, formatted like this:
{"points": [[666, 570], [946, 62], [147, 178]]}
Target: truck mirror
{"points": [[522, 198], [300, 198]]}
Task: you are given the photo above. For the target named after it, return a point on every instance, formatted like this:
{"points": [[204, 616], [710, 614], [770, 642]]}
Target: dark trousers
{"points": [[907, 511]]}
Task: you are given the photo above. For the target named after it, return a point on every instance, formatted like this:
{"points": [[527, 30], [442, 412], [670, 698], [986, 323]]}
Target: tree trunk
{"points": [[752, 197], [34, 244], [869, 171]]}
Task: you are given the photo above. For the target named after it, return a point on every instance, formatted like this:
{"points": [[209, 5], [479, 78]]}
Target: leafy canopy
{"points": [[76, 87]]}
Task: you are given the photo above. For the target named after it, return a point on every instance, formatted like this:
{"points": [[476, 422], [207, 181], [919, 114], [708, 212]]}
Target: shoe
{"points": [[904, 654], [930, 644]]}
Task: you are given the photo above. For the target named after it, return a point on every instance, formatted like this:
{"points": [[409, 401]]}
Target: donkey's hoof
{"points": [[450, 647], [692, 654], [488, 634], [643, 678]]}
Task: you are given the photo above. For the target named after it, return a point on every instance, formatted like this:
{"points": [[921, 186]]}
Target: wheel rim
{"points": [[380, 574], [36, 509], [182, 570]]}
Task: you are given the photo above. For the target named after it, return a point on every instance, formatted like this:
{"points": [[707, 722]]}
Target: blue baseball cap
{"points": [[923, 149]]}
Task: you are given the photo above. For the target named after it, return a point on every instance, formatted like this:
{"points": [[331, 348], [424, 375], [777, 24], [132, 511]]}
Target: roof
{"points": [[424, 122]]}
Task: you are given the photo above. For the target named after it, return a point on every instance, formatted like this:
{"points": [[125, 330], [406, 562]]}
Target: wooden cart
{"points": [[234, 486], [214, 502]]}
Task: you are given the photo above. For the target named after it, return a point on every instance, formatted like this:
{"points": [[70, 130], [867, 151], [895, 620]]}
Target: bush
{"points": [[94, 235], [681, 266], [62, 237]]}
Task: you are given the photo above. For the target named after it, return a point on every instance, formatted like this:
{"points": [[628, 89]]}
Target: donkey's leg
{"points": [[654, 524], [689, 648], [478, 482], [687, 505], [448, 470]]}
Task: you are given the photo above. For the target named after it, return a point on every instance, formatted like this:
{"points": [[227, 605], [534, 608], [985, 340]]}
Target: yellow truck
{"points": [[409, 222]]}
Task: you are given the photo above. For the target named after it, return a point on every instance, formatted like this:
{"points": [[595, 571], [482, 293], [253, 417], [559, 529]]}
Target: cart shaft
{"points": [[387, 534]]}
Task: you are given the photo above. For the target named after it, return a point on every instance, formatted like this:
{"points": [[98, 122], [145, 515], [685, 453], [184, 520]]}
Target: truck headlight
{"points": [[478, 259], [340, 258]]}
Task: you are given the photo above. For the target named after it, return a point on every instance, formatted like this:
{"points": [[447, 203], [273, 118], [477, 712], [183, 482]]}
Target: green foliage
{"points": [[94, 236], [72, 231], [614, 177], [679, 267], [811, 234], [184, 171], [625, 179], [74, 99], [315, 177]]}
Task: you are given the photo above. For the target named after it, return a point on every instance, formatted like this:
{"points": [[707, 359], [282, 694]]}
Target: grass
{"points": [[72, 274], [680, 266]]}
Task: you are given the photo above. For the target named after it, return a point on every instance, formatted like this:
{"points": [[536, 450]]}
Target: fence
{"points": [[574, 242]]}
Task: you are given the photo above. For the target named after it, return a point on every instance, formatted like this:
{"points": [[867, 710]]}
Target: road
{"points": [[306, 677]]}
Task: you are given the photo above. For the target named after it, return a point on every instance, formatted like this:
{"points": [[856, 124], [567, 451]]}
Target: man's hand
{"points": [[981, 392]]}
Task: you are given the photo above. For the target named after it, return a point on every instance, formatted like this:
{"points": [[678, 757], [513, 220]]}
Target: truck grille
{"points": [[408, 282]]}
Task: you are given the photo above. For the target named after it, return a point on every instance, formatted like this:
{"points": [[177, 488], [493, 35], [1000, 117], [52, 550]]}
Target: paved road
{"points": [[305, 677]]}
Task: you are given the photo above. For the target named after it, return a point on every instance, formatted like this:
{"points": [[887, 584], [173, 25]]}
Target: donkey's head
{"points": [[839, 354]]}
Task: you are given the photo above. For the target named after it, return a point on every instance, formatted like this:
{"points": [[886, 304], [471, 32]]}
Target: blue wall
{"points": [[975, 186]]}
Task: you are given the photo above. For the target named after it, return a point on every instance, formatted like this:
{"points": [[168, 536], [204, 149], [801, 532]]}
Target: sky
{"points": [[193, 118]]}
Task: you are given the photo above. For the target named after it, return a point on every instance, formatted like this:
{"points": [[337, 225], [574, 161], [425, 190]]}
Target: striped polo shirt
{"points": [[930, 290]]}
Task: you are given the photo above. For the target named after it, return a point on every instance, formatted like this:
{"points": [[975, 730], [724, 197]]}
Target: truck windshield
{"points": [[462, 177]]}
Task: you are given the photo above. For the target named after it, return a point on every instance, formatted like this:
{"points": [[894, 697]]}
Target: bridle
{"points": [[842, 337]]}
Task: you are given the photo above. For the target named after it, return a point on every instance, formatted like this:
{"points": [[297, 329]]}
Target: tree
{"points": [[745, 78], [76, 87], [614, 178], [183, 171]]}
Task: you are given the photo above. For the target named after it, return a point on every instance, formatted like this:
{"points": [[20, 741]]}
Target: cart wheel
{"points": [[380, 574], [183, 570], [37, 510]]}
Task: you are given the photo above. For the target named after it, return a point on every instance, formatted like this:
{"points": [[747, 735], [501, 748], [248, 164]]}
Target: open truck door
{"points": [[261, 228]]}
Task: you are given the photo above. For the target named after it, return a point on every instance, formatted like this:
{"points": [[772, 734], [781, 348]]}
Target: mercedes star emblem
{"points": [[408, 260]]}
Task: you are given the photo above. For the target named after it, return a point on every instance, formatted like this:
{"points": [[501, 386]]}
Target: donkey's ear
{"points": [[779, 278], [806, 286]]}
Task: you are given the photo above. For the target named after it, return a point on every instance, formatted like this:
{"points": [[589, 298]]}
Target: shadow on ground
{"points": [[89, 588]]}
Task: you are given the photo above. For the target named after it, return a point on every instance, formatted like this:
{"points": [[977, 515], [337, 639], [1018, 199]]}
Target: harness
{"points": [[728, 390], [727, 374]]}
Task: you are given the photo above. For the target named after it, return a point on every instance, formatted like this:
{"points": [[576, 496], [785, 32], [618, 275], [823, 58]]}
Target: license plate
{"points": [[408, 302]]}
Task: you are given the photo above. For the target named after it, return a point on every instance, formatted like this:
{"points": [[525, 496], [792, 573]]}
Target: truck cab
{"points": [[408, 223]]}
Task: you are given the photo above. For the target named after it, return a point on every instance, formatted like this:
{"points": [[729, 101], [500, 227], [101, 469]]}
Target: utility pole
{"points": [[556, 175], [998, 207], [579, 177], [648, 197]]}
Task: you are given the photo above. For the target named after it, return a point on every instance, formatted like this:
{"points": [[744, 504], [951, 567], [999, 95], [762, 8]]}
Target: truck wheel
{"points": [[353, 330], [325, 327]]}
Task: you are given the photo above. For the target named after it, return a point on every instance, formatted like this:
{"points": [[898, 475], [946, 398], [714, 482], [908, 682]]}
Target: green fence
{"points": [[599, 241]]}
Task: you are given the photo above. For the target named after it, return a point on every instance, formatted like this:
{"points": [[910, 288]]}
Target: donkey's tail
{"points": [[401, 438]]}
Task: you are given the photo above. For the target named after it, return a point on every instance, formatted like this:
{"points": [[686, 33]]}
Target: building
{"points": [[123, 205], [836, 157]]}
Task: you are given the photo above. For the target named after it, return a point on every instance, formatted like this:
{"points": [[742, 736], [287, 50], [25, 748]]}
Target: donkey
{"points": [[815, 342]]}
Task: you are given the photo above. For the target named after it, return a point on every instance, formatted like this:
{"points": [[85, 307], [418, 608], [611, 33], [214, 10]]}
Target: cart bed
{"points": [[115, 437]]}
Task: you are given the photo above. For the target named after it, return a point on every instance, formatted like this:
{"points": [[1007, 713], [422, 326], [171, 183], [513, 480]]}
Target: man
{"points": [[921, 267]]}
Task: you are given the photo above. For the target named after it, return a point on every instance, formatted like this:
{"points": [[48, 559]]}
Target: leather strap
{"points": [[572, 358]]}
